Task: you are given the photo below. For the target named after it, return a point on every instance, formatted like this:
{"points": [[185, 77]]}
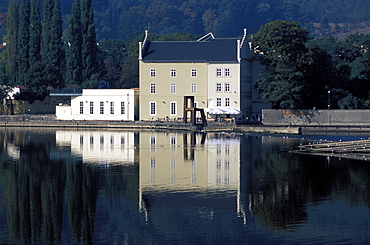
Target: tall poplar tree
{"points": [[89, 48], [57, 56], [46, 29], [74, 55], [35, 33], [12, 21], [23, 40]]}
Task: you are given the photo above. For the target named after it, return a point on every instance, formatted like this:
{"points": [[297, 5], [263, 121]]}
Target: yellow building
{"points": [[218, 73]]}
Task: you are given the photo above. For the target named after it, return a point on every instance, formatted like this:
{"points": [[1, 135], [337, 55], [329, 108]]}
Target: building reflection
{"points": [[99, 147]]}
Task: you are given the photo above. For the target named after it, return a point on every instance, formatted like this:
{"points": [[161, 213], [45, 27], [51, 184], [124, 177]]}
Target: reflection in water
{"points": [[103, 187]]}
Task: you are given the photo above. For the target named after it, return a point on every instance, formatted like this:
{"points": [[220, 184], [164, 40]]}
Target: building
{"points": [[99, 104], [217, 74]]}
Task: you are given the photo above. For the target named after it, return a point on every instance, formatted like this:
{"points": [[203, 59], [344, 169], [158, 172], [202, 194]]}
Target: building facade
{"points": [[101, 104], [218, 73]]}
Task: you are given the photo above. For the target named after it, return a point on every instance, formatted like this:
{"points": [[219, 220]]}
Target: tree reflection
{"points": [[281, 184]]}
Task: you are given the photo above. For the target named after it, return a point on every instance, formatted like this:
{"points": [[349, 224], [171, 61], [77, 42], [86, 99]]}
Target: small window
{"points": [[227, 87], [152, 73], [152, 88], [227, 72], [193, 88], [193, 72], [123, 109], [173, 88], [112, 107], [91, 107], [227, 101], [101, 107], [81, 107], [218, 72], [218, 87], [218, 102], [173, 108], [152, 108], [173, 72]]}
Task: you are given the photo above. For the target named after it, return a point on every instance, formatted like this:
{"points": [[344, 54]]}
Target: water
{"points": [[147, 187]]}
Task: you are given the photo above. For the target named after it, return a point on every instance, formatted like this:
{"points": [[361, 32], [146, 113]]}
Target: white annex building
{"points": [[100, 104]]}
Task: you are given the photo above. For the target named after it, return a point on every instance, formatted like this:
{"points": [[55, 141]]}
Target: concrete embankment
{"points": [[49, 121]]}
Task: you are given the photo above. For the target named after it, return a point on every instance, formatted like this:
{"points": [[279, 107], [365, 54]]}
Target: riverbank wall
{"points": [[50, 121]]}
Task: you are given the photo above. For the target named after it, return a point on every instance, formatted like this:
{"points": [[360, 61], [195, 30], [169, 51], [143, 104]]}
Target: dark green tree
{"points": [[283, 52], [89, 46], [46, 29], [74, 49], [11, 40], [35, 33], [55, 60], [23, 41]]}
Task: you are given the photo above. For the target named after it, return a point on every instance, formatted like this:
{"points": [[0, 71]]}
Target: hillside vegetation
{"points": [[115, 19]]}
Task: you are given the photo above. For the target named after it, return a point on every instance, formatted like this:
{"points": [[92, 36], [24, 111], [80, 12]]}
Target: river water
{"points": [[171, 187]]}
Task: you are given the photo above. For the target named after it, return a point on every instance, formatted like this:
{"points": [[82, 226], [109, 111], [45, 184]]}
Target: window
{"points": [[152, 73], [218, 87], [112, 107], [218, 103], [173, 108], [193, 72], [227, 72], [91, 107], [123, 109], [173, 88], [152, 108], [218, 72], [152, 88], [193, 88], [173, 72], [227, 101], [227, 87], [101, 107], [81, 107]]}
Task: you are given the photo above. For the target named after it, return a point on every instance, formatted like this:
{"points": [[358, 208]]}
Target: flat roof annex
{"points": [[214, 50]]}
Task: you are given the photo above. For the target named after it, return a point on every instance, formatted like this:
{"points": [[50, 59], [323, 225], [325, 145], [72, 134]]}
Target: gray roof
{"points": [[214, 50]]}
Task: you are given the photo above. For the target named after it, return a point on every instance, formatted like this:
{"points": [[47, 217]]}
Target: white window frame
{"points": [[227, 72], [173, 108], [81, 107], [193, 72], [91, 107], [218, 102], [193, 88], [111, 107], [227, 102], [152, 88], [173, 72], [153, 73], [173, 88], [123, 108], [101, 107], [152, 108], [227, 87], [218, 72], [218, 87]]}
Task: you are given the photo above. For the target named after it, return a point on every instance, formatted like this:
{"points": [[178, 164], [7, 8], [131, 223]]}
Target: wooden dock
{"points": [[357, 149]]}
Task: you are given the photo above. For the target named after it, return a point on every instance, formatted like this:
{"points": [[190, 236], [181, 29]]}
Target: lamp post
{"points": [[328, 99]]}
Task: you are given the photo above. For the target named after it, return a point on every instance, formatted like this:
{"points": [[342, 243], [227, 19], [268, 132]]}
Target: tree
{"points": [[23, 41], [89, 47], [11, 39], [74, 53], [35, 33], [283, 52]]}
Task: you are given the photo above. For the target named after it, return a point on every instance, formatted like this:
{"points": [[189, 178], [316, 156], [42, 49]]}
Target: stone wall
{"points": [[316, 117]]}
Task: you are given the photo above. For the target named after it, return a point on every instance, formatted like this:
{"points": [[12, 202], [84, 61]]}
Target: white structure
{"points": [[101, 104]]}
